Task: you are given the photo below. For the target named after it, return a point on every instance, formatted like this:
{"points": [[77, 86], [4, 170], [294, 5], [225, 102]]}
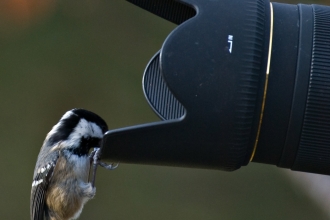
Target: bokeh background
{"points": [[56, 55]]}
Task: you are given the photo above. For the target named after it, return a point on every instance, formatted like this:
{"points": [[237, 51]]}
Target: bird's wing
{"points": [[39, 188]]}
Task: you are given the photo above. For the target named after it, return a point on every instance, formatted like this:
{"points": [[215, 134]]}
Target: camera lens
{"points": [[278, 93], [235, 82]]}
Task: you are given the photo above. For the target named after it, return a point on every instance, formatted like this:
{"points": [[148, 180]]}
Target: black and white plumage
{"points": [[60, 186]]}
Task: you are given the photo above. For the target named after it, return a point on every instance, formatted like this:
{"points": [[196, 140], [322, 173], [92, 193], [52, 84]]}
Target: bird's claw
{"points": [[92, 154], [95, 158], [110, 166]]}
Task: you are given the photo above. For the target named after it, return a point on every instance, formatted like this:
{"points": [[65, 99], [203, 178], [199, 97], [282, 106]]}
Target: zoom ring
{"points": [[314, 148]]}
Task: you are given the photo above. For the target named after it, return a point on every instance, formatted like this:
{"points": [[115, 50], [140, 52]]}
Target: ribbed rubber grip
{"points": [[248, 104], [160, 98], [314, 148]]}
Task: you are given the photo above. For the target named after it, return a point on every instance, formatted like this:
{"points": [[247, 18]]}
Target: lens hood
{"points": [[234, 82]]}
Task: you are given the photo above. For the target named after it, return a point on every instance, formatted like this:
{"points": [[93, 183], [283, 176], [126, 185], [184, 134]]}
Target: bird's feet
{"points": [[95, 159]]}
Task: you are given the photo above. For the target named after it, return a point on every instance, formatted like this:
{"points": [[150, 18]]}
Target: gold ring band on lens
{"points": [[266, 83]]}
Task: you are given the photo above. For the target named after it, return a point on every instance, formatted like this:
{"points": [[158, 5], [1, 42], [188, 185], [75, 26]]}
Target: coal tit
{"points": [[61, 186]]}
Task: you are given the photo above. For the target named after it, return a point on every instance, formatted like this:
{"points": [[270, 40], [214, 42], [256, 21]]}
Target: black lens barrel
{"points": [[221, 107], [281, 83], [314, 148], [295, 132], [302, 73]]}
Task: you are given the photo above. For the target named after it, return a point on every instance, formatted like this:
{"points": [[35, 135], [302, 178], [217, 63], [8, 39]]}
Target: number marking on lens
{"points": [[230, 41]]}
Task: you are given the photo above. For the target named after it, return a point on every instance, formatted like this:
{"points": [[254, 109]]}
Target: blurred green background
{"points": [[58, 55]]}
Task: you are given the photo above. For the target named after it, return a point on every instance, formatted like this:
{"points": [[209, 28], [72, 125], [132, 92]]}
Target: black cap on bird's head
{"points": [[91, 117]]}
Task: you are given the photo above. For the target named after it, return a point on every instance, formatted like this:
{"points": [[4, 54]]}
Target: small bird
{"points": [[61, 186]]}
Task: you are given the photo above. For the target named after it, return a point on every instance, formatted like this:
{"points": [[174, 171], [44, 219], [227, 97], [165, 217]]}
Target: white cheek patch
{"points": [[83, 129], [97, 132]]}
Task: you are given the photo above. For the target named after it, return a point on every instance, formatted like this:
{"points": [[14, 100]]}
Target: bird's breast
{"points": [[80, 166]]}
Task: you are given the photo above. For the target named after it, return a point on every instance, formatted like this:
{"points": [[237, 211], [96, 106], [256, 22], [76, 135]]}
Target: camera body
{"points": [[236, 81]]}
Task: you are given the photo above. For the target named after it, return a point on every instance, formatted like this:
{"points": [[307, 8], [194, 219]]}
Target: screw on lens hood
{"points": [[236, 81], [214, 65]]}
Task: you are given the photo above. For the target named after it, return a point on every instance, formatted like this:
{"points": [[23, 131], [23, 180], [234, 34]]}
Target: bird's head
{"points": [[77, 131]]}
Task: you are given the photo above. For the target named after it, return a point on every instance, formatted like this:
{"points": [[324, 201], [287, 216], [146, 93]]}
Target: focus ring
{"points": [[314, 148], [252, 78]]}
